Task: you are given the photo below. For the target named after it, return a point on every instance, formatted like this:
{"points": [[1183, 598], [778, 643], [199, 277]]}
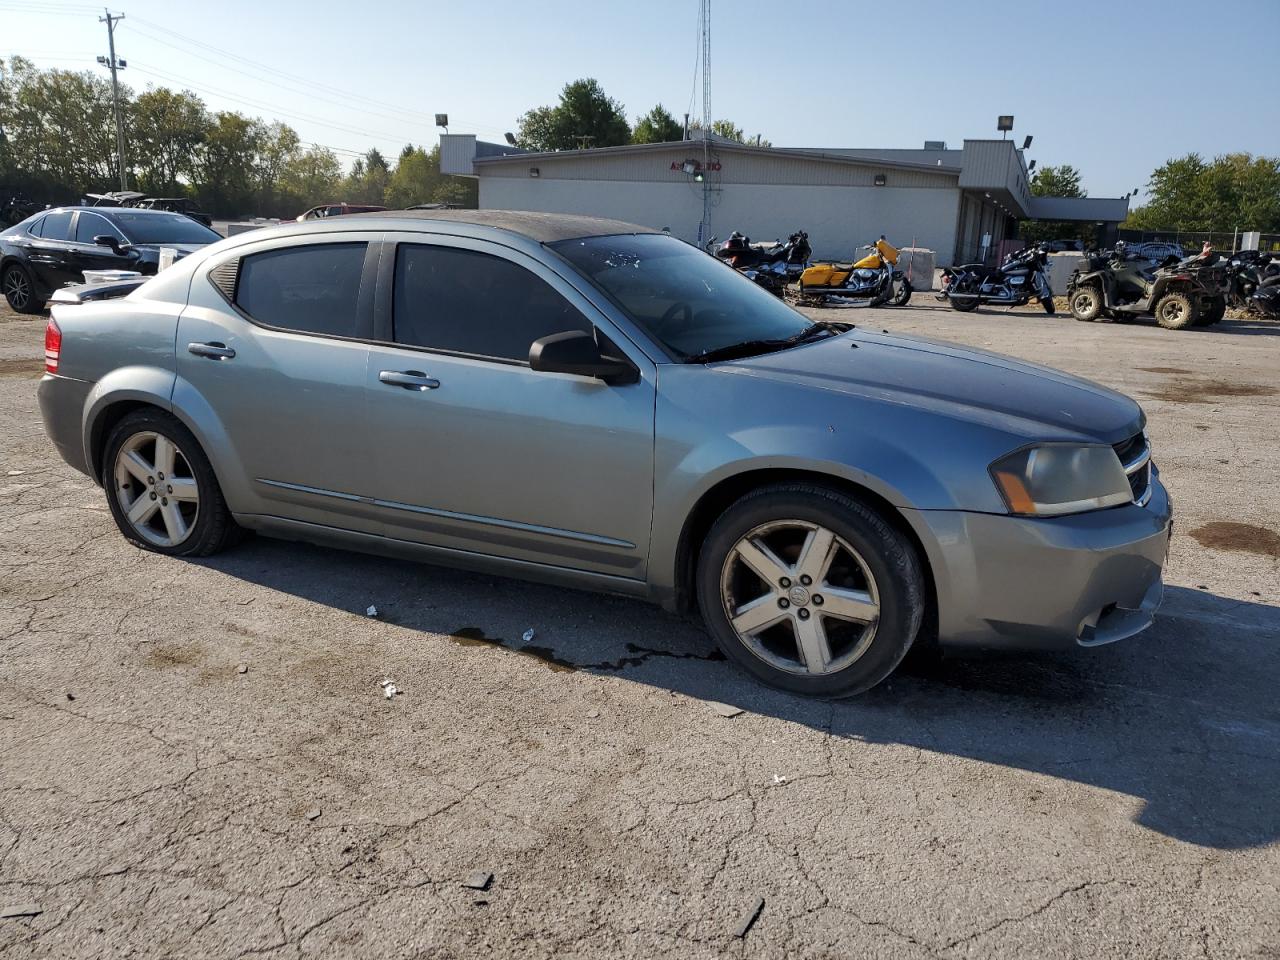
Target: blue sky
{"points": [[1112, 88]]}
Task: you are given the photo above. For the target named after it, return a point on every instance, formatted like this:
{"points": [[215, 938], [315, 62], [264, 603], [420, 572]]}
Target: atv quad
{"points": [[1178, 293]]}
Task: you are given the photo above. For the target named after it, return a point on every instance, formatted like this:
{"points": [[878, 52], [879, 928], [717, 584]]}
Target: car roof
{"points": [[111, 211], [540, 227]]}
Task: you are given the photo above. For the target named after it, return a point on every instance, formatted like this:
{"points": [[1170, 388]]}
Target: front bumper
{"points": [[1051, 583]]}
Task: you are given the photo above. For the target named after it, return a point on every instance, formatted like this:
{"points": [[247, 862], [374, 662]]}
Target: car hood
{"points": [[1036, 402]]}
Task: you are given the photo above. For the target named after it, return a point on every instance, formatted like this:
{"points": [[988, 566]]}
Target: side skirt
{"points": [[325, 536]]}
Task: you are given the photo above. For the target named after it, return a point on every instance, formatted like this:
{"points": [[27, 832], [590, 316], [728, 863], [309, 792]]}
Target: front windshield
{"points": [[685, 299], [156, 227]]}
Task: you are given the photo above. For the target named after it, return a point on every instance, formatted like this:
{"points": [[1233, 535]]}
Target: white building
{"points": [[959, 203]]}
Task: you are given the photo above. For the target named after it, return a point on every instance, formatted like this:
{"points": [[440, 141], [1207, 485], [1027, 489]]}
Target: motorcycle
{"points": [[1266, 301], [1023, 275], [1246, 270], [772, 266], [874, 279]]}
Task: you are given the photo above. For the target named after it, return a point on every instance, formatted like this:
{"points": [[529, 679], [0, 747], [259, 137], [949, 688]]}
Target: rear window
{"points": [[57, 226], [311, 289], [151, 226]]}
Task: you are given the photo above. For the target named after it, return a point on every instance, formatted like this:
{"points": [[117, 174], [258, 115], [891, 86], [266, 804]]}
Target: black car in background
{"points": [[55, 247]]}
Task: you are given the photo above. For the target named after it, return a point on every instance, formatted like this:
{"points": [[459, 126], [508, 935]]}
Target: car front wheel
{"points": [[810, 590]]}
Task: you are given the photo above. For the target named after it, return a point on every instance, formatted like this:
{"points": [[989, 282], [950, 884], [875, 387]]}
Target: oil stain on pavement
{"points": [[1240, 537], [475, 637]]}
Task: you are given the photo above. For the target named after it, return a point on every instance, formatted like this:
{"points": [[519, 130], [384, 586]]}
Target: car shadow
{"points": [[1184, 718]]}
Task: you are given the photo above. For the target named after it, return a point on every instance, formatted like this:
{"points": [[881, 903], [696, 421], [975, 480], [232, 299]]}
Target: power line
{"points": [[364, 102]]}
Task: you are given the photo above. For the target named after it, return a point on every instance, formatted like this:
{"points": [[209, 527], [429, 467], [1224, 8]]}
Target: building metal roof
{"points": [[729, 146], [539, 227]]}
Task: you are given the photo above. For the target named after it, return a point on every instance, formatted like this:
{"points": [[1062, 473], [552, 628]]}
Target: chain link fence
{"points": [[1192, 240]]}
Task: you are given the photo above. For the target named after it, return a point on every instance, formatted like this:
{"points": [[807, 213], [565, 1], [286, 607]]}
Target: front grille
{"points": [[1135, 456]]}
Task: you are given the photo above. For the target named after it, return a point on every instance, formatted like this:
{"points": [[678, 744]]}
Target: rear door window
{"points": [[462, 301], [311, 289], [57, 226]]}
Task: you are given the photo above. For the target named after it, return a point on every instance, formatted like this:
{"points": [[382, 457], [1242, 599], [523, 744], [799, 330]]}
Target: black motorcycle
{"points": [[1023, 275], [1246, 271], [771, 266]]}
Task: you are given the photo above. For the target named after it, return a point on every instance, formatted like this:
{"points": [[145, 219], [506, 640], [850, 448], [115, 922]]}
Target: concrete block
{"points": [[1061, 266], [919, 264]]}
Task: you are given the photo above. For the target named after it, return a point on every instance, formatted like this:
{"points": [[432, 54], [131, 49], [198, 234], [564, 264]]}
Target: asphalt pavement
{"points": [[198, 759]]}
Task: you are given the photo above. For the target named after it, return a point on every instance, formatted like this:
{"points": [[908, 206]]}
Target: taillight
{"points": [[52, 345]]}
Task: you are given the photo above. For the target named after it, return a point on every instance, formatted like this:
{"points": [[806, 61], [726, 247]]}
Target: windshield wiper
{"points": [[751, 348]]}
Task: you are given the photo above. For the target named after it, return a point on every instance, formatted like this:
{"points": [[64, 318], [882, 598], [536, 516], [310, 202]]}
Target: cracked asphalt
{"points": [[155, 801]]}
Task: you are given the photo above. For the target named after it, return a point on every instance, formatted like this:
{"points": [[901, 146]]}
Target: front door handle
{"points": [[214, 351], [409, 379]]}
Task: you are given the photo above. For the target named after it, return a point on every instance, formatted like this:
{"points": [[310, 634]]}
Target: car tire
{"points": [[1086, 303], [903, 296], [20, 289], [810, 590], [1176, 311], [194, 521]]}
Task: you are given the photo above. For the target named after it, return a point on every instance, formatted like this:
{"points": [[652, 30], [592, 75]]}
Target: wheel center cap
{"points": [[798, 595]]}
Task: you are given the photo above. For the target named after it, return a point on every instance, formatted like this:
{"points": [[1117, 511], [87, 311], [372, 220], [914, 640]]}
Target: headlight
{"points": [[1054, 479]]}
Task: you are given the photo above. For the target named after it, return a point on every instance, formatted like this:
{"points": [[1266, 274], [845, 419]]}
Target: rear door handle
{"points": [[214, 350], [409, 379]]}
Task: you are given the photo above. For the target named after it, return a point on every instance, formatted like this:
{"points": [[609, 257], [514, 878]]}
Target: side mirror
{"points": [[106, 240], [575, 352]]}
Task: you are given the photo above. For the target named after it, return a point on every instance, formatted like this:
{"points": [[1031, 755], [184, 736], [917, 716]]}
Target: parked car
{"points": [[176, 205], [56, 246], [1157, 251], [338, 210], [593, 404]]}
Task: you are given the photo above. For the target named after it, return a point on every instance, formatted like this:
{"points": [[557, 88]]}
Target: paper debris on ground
{"points": [[529, 635], [778, 780], [749, 918], [243, 668], [372, 611], [724, 709], [479, 880], [313, 813], [389, 689]]}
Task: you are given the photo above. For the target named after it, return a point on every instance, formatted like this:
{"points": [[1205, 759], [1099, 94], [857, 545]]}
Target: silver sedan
{"points": [[589, 403]]}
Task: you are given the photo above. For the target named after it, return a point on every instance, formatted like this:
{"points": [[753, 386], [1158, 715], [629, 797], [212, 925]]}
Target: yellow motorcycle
{"points": [[874, 279]]}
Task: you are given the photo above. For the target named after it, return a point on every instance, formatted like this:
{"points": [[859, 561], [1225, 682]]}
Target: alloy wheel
{"points": [[800, 597], [156, 489], [17, 289], [1171, 310]]}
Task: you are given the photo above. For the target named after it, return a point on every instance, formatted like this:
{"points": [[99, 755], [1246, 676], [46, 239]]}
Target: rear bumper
{"points": [[1057, 583], [62, 401]]}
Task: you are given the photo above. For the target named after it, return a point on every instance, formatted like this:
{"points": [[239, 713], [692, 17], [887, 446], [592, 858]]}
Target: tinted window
{"points": [[91, 225], [468, 302], [151, 226], [36, 227], [57, 226], [685, 299], [309, 289]]}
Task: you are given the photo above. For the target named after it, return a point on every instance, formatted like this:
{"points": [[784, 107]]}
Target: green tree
{"points": [[657, 126], [730, 131], [1233, 191], [166, 131], [584, 114], [312, 176], [1060, 181], [226, 169], [368, 180], [1063, 181]]}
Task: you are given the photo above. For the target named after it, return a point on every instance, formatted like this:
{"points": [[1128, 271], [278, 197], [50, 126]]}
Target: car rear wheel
{"points": [[810, 590], [19, 289], [1086, 304], [161, 488], [1213, 313], [1175, 311]]}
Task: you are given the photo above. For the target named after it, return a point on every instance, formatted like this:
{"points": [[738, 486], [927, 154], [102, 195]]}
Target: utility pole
{"points": [[110, 20]]}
